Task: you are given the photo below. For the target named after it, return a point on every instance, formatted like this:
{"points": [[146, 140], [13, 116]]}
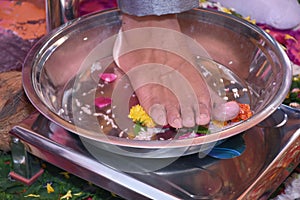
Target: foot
{"points": [[152, 52]]}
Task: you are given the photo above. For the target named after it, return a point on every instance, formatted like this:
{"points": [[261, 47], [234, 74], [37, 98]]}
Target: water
{"points": [[223, 81], [78, 105]]}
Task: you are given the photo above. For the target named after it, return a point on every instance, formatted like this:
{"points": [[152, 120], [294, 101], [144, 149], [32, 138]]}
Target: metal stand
{"points": [[26, 167], [271, 154]]}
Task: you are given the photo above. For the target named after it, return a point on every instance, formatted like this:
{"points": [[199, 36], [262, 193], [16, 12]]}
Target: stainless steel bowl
{"points": [[245, 49]]}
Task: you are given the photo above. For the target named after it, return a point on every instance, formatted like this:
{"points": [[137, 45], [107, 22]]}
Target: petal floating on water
{"points": [[188, 135], [108, 77], [102, 102]]}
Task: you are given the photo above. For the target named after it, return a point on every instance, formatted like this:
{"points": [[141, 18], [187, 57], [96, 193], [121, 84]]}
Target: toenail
{"points": [[203, 116], [161, 119], [203, 119], [177, 123]]}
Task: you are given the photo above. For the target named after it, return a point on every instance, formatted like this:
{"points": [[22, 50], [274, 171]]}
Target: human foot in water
{"points": [[152, 51]]}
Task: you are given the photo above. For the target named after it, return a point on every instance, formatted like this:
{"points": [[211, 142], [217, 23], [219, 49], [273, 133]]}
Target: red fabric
{"points": [[290, 39], [89, 6]]}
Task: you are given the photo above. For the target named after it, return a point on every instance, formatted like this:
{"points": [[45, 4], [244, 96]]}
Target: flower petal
{"points": [[33, 195], [139, 115], [49, 188], [67, 196], [188, 135], [289, 39], [108, 77], [102, 102]]}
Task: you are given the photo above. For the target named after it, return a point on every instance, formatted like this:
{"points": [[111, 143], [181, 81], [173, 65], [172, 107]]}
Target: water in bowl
{"points": [[78, 100]]}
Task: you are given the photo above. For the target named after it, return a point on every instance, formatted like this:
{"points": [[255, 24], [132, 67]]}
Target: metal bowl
{"points": [[53, 63]]}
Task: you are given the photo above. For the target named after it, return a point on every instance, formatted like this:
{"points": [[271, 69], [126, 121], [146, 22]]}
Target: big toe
{"points": [[226, 111]]}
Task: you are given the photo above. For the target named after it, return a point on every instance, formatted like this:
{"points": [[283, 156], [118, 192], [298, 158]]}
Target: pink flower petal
{"points": [[188, 135], [293, 49], [102, 102], [108, 77]]}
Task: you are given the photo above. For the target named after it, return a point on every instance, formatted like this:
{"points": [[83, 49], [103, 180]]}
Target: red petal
{"points": [[102, 102], [108, 77], [292, 45]]}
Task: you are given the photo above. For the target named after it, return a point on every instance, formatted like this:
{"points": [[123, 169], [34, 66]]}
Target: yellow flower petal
{"points": [[253, 21], [226, 10], [289, 37], [219, 123], [66, 174], [49, 188], [67, 196], [138, 114], [283, 47], [113, 194], [78, 194], [33, 195]]}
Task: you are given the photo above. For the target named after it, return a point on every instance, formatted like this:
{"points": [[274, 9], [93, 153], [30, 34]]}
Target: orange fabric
{"points": [[25, 19]]}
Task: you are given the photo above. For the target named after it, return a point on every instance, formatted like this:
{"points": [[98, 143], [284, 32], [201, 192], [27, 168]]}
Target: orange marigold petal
{"points": [[245, 113]]}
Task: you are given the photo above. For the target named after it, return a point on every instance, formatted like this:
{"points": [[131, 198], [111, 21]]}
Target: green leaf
{"points": [[137, 128], [294, 84], [236, 14], [293, 96], [287, 101], [11, 186], [202, 130], [16, 188]]}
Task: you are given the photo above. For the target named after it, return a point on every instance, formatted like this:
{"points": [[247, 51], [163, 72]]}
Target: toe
{"points": [[173, 117], [202, 114], [158, 114], [188, 116], [227, 111]]}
